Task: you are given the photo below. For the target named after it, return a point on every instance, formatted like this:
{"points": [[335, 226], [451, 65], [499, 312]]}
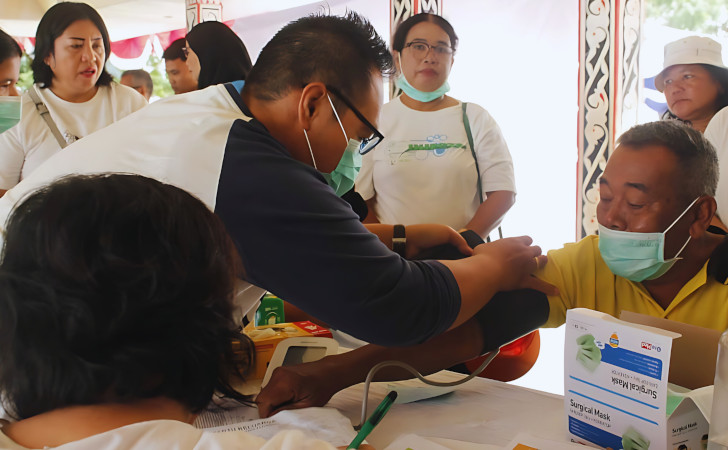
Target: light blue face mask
{"points": [[416, 94], [342, 178], [638, 256], [10, 109]]}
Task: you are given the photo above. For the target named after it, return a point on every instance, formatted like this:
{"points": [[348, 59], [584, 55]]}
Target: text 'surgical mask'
{"points": [[10, 109], [416, 94], [638, 256], [342, 178]]}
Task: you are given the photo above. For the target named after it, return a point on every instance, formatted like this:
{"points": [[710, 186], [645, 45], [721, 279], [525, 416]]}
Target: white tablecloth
{"points": [[481, 411]]}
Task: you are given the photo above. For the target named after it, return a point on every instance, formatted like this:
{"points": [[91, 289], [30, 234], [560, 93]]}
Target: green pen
{"points": [[373, 420]]}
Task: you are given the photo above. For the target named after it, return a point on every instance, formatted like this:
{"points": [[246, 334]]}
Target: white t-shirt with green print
{"points": [[424, 172]]}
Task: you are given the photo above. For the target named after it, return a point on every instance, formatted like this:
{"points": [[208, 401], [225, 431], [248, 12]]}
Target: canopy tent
{"points": [[131, 18], [133, 24]]}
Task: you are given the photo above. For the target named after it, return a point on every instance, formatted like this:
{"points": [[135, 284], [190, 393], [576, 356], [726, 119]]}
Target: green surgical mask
{"points": [[638, 256], [10, 109], [342, 178]]}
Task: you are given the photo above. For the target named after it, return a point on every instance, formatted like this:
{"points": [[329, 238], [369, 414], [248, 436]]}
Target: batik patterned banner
{"points": [[199, 11], [608, 92], [595, 106], [629, 78]]}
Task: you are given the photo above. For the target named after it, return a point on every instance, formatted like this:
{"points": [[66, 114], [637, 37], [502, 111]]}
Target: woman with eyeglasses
{"points": [[441, 160], [215, 54], [426, 170], [73, 95]]}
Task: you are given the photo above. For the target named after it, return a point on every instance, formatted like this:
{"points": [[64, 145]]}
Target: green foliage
{"points": [[26, 73], [704, 16], [162, 88]]}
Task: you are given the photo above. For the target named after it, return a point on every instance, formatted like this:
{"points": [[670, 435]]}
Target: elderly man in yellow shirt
{"points": [[656, 254]]}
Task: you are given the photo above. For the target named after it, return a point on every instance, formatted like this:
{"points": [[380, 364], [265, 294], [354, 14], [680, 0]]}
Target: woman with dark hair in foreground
{"points": [[115, 319]]}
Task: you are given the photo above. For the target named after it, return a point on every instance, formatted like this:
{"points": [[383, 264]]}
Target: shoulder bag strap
{"points": [[466, 123], [46, 115]]}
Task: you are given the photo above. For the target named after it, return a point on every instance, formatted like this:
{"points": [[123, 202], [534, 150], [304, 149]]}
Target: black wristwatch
{"points": [[399, 240]]}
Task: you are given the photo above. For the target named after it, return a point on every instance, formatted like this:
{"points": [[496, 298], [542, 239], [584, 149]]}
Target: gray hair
{"points": [[698, 160]]}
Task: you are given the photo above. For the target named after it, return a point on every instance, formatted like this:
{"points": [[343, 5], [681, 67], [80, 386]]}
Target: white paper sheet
{"points": [[327, 424]]}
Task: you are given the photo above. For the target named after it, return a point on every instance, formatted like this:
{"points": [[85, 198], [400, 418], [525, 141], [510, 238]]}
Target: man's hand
{"points": [[293, 387], [424, 236], [517, 260]]}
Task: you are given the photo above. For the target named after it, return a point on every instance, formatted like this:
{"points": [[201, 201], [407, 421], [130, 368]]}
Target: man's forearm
{"points": [[458, 345]]}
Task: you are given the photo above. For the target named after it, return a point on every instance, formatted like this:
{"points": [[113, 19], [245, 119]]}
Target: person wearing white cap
{"points": [[694, 80]]}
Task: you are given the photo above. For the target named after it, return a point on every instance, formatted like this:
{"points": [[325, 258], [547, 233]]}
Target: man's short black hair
{"points": [[174, 51], [141, 77], [342, 52], [9, 48], [53, 23], [698, 161], [115, 288]]}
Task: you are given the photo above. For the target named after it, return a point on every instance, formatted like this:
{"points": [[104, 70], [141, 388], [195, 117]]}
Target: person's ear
{"points": [[705, 209], [396, 57], [309, 106], [47, 60]]}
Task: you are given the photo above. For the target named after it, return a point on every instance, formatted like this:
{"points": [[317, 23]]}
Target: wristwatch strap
{"points": [[399, 240]]}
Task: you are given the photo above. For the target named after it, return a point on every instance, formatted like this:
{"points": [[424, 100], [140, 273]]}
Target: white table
{"points": [[481, 411]]}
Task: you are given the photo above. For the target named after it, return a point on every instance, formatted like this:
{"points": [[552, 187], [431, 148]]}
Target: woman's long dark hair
{"points": [[223, 56], [115, 288]]}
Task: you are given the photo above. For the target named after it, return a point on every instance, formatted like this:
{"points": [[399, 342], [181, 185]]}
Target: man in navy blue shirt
{"points": [[270, 162]]}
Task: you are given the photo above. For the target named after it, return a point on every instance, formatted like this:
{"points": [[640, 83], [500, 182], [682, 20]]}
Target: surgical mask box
{"points": [[310, 344], [616, 392]]}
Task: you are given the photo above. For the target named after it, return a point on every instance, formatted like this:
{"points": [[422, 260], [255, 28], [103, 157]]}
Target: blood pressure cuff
{"points": [[508, 315], [449, 251]]}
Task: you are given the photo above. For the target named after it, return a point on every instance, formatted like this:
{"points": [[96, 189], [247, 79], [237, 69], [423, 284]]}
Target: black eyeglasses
{"points": [[367, 144], [420, 49]]}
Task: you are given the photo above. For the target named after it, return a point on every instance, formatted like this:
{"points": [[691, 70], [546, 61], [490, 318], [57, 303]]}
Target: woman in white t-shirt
{"points": [[71, 49], [425, 170], [116, 321]]}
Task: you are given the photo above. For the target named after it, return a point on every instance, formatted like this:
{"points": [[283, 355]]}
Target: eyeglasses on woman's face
{"points": [[420, 49]]}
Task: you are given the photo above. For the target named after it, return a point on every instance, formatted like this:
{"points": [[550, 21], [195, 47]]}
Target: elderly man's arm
{"points": [[508, 316]]}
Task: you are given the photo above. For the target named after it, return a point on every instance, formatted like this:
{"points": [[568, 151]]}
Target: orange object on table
{"points": [[513, 361]]}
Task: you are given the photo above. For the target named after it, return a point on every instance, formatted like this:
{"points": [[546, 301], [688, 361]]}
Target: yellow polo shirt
{"points": [[585, 281]]}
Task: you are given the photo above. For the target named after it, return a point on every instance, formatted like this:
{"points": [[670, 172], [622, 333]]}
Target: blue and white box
{"points": [[616, 384]]}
